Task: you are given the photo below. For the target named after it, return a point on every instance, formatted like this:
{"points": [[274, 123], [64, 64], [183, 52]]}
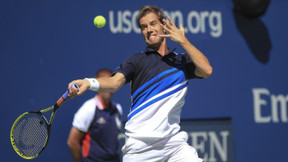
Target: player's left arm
{"points": [[203, 67]]}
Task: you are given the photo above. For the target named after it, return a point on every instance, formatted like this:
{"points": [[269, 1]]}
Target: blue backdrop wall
{"points": [[46, 44]]}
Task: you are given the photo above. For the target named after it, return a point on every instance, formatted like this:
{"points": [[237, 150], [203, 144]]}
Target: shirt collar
{"points": [[149, 50]]}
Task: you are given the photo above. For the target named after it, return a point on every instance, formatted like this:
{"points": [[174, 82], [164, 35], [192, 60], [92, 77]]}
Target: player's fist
{"points": [[83, 86]]}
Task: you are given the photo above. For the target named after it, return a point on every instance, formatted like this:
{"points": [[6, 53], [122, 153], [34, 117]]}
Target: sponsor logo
{"points": [[268, 107], [212, 146], [101, 120], [194, 22]]}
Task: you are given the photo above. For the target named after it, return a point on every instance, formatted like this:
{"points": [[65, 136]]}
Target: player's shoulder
{"points": [[137, 55], [88, 106], [90, 102], [135, 58]]}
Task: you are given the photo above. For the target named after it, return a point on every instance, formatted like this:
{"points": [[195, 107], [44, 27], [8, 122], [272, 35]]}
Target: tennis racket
{"points": [[30, 132]]}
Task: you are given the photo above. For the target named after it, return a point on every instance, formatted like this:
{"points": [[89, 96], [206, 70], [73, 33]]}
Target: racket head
{"points": [[29, 134]]}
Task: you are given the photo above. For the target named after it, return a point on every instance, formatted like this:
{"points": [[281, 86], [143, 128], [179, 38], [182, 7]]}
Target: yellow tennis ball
{"points": [[99, 21]]}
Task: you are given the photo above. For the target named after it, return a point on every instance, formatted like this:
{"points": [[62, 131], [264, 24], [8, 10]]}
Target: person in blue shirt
{"points": [[158, 79], [94, 133]]}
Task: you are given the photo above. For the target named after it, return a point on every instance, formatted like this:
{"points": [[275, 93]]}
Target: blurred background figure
{"points": [[93, 136]]}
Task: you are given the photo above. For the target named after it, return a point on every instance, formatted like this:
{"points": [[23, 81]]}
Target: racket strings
{"points": [[30, 134]]}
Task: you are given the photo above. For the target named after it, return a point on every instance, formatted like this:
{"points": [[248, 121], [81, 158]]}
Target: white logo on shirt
{"points": [[101, 120]]}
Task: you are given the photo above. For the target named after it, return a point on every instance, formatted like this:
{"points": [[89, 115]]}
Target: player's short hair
{"points": [[148, 9], [101, 71]]}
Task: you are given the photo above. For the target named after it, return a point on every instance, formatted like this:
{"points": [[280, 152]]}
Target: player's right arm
{"points": [[111, 85], [74, 140]]}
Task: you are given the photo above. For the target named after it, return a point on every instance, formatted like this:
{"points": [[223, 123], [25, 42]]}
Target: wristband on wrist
{"points": [[94, 84]]}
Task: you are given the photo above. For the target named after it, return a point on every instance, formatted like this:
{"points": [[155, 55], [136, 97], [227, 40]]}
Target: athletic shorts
{"points": [[173, 149]]}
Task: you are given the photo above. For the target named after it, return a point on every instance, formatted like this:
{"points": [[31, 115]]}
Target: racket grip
{"points": [[63, 98]]}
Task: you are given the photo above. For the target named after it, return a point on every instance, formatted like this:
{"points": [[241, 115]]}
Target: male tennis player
{"points": [[96, 125], [159, 79]]}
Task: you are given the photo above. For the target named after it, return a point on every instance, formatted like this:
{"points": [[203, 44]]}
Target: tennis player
{"points": [[158, 79]]}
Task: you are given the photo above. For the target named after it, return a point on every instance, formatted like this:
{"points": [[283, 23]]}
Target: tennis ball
{"points": [[99, 21]]}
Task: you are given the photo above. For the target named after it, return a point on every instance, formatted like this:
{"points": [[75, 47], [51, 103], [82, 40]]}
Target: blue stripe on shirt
{"points": [[156, 100], [159, 87], [153, 80]]}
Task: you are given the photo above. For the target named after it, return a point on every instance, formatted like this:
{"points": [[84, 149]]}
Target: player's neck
{"points": [[163, 49], [106, 101], [162, 52]]}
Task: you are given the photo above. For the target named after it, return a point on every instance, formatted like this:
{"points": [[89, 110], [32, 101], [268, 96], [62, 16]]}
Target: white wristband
{"points": [[94, 84]]}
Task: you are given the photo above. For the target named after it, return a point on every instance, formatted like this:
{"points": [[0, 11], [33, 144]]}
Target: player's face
{"points": [[151, 29]]}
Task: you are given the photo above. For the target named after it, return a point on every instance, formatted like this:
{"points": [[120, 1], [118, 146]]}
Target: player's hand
{"points": [[83, 84], [175, 34]]}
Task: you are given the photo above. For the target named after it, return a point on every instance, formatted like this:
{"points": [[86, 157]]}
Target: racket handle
{"points": [[63, 98]]}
